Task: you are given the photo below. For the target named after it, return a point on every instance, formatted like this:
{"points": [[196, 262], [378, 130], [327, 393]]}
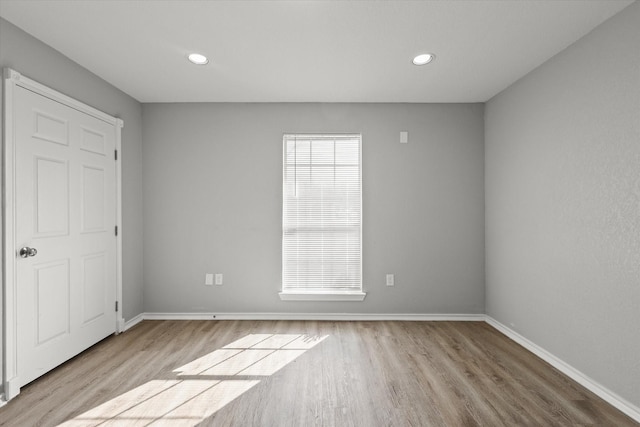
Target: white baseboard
{"points": [[133, 322], [610, 397], [314, 316]]}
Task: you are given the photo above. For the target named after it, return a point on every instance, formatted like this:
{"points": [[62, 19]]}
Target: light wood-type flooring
{"points": [[307, 373]]}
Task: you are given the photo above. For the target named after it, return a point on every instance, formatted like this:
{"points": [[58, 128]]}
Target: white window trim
{"points": [[331, 295], [322, 296]]}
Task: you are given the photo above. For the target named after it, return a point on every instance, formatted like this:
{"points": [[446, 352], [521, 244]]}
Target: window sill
{"points": [[322, 296]]}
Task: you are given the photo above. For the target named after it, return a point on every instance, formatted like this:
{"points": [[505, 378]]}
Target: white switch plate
{"points": [[218, 278], [208, 279], [404, 137], [390, 280]]}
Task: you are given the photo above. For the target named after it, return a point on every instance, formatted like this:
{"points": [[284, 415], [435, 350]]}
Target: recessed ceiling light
{"points": [[423, 59], [198, 59]]}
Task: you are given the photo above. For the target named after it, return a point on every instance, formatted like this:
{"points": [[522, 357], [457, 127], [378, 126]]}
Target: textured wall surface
{"points": [[563, 205], [213, 203], [34, 59]]}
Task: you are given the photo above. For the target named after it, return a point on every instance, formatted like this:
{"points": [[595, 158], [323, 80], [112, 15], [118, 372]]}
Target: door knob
{"points": [[27, 252]]}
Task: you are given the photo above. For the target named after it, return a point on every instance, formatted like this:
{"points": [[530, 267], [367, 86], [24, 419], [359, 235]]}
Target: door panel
{"points": [[52, 300], [93, 141], [93, 287], [50, 128], [65, 192], [52, 197], [93, 199]]}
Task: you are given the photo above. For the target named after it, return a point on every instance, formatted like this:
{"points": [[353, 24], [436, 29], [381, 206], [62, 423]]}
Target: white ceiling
{"points": [[310, 51]]}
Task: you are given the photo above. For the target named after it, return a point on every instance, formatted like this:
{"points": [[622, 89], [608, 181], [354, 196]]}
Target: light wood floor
{"points": [[307, 373]]}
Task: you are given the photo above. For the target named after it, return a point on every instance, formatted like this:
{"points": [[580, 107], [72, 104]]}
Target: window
{"points": [[322, 217]]}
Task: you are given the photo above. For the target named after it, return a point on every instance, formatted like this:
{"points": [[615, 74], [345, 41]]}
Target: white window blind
{"points": [[322, 214]]}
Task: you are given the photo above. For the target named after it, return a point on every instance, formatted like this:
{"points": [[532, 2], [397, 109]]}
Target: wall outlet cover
{"points": [[404, 137], [208, 279], [390, 280]]}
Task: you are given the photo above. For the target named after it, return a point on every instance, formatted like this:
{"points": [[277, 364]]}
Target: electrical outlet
{"points": [[404, 137], [390, 280], [218, 279], [208, 279]]}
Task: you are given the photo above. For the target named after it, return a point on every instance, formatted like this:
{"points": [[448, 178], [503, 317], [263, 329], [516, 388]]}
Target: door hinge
{"points": [[116, 306], [116, 230], [115, 154]]}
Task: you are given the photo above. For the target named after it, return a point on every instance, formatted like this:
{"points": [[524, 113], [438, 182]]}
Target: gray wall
{"points": [[562, 200], [563, 205], [213, 196], [40, 62]]}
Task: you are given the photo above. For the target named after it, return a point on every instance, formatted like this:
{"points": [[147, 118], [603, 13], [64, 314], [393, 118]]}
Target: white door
{"points": [[65, 217]]}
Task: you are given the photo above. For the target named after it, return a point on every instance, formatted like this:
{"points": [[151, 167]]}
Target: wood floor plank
{"points": [[307, 373]]}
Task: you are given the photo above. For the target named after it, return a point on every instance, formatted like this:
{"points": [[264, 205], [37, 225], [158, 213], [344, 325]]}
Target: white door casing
{"points": [[62, 197]]}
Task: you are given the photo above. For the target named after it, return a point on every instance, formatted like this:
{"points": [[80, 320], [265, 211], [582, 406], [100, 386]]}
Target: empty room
{"points": [[320, 213]]}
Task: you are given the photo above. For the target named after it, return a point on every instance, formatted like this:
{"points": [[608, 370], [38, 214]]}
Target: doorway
{"points": [[62, 246]]}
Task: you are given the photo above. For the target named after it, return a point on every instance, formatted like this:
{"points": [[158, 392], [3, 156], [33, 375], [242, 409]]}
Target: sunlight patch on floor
{"points": [[206, 362], [203, 386], [205, 404]]}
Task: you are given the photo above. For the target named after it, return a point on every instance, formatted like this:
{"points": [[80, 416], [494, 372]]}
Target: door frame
{"points": [[11, 80]]}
